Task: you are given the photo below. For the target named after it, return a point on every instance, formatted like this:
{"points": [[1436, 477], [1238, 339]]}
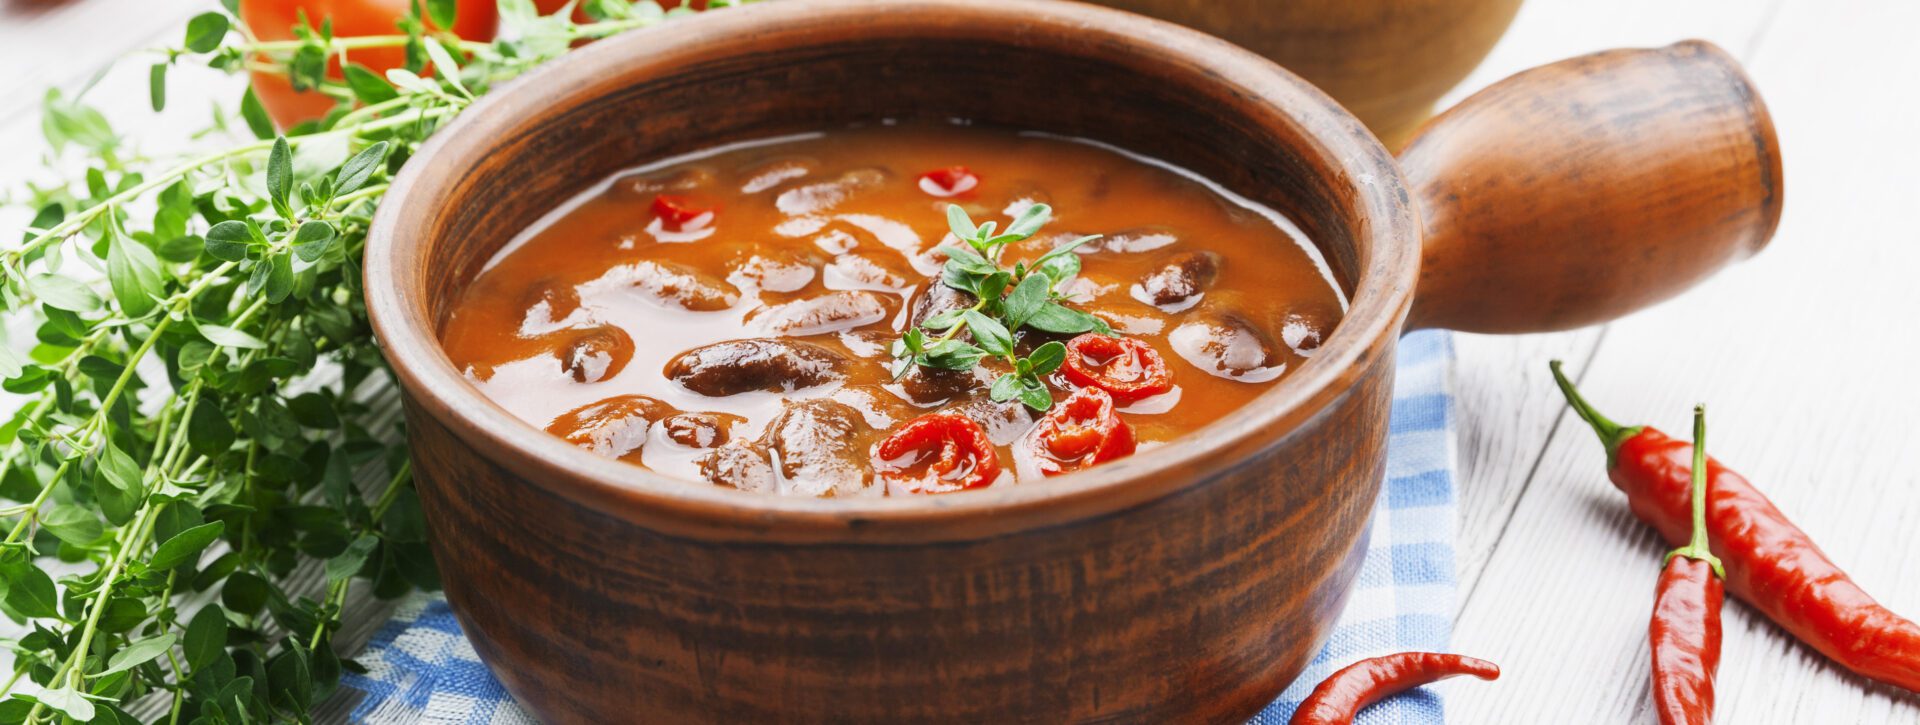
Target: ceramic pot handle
{"points": [[1577, 192]]}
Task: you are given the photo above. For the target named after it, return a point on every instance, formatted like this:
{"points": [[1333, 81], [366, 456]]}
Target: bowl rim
{"points": [[1387, 238]]}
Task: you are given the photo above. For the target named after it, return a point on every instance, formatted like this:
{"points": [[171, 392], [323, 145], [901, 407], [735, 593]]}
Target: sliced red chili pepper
{"points": [[950, 181], [1126, 368], [936, 453], [1078, 432], [1770, 563], [1343, 694], [679, 213], [1684, 633]]}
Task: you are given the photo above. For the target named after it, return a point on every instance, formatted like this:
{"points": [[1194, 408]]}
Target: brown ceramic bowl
{"points": [[1190, 582], [1387, 61]]}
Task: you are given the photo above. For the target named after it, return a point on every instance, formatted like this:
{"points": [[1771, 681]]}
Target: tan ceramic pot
{"points": [[1387, 61], [1189, 582]]}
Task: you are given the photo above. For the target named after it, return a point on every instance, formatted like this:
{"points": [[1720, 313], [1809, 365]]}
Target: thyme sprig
{"points": [[201, 387], [1006, 300]]}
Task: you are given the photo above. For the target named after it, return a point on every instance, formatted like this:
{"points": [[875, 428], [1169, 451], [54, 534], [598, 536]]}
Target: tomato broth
{"points": [[730, 317]]}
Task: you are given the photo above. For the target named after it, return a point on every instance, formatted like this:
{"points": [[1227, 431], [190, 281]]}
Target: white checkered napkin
{"points": [[421, 670]]}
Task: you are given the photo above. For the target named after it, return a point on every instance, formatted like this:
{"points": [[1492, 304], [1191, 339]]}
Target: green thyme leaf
{"points": [[1035, 394], [443, 12], [968, 260], [953, 355], [139, 653], [204, 32], [255, 115], [312, 240], [942, 320], [991, 335], [445, 66], [357, 170], [1047, 358], [32, 594], [1005, 388], [206, 637], [961, 224], [228, 337], [228, 240], [1030, 221], [280, 176], [185, 546], [1027, 299], [61, 292], [344, 566], [1054, 317], [133, 272], [157, 86], [367, 86], [67, 700]]}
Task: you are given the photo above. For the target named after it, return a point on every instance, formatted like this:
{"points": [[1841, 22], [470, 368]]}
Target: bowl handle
{"points": [[1580, 191]]}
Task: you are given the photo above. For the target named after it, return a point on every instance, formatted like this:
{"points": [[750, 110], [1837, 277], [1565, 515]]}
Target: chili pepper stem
{"points": [[1611, 434], [1697, 548]]}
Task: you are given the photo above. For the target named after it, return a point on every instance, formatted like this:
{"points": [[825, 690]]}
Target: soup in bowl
{"points": [[802, 316], [564, 419]]}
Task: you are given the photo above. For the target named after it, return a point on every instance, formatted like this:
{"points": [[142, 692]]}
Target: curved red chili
{"points": [[1343, 694], [936, 453], [1128, 369], [1684, 633], [1770, 563], [1078, 432]]}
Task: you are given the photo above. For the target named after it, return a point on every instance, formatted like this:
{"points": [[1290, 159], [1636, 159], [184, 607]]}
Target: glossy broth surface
{"points": [[829, 239]]}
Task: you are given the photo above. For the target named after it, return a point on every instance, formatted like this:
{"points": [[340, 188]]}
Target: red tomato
{"points": [[936, 453], [679, 213], [275, 20], [549, 7], [1078, 432], [950, 181], [1123, 366]]}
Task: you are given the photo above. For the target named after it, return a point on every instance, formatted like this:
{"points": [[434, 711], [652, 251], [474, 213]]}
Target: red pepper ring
{"points": [[1078, 432], [679, 213], [1126, 368], [1343, 694], [936, 453], [950, 181]]}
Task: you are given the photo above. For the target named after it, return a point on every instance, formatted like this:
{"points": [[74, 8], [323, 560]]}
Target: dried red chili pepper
{"points": [[1770, 563], [679, 213], [950, 181], [1078, 432], [1128, 369], [1685, 630], [936, 453], [1343, 694]]}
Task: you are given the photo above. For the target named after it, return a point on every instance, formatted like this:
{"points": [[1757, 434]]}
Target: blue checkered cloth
{"points": [[420, 669]]}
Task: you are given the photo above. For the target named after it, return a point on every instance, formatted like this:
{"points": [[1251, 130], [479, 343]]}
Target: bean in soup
{"points": [[891, 310]]}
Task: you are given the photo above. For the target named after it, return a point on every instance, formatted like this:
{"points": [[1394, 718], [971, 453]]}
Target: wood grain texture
{"points": [[1562, 602], [1387, 61], [1576, 192]]}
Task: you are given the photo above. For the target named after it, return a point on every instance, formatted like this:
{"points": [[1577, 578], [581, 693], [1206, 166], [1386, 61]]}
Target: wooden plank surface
{"points": [[1801, 355]]}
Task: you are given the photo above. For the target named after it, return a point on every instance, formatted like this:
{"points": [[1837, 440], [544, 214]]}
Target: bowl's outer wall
{"points": [[1198, 602], [1387, 61], [1200, 606]]}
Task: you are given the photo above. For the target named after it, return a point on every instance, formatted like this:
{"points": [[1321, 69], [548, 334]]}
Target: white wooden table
{"points": [[1808, 357]]}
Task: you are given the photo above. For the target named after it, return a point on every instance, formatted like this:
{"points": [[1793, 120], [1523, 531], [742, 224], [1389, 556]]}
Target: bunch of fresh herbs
{"points": [[202, 384], [1006, 299]]}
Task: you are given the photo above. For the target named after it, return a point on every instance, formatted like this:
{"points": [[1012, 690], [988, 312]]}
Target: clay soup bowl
{"points": [[1193, 581], [1386, 61]]}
